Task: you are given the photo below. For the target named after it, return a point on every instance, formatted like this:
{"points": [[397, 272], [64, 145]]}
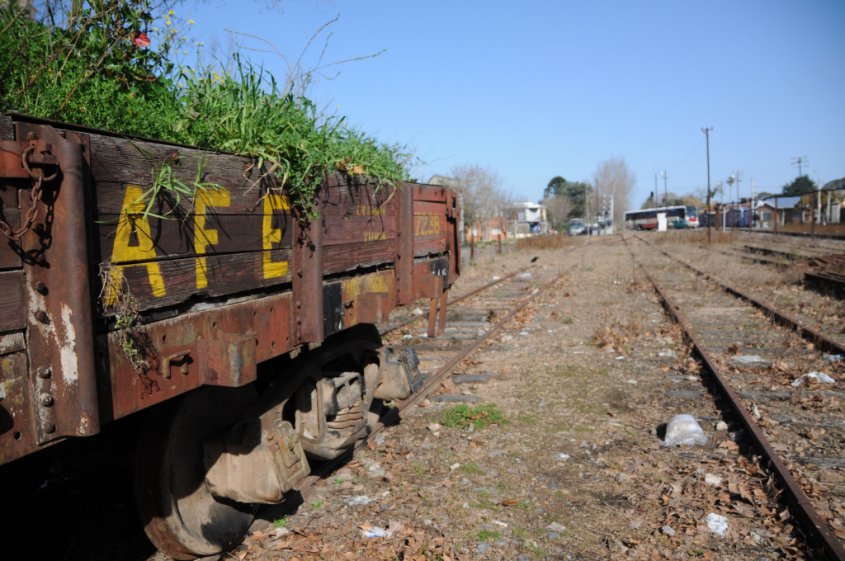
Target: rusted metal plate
{"points": [[203, 347], [368, 298], [17, 434], [429, 276], [57, 293]]}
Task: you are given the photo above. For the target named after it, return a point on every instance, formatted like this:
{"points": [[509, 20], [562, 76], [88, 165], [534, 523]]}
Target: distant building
{"points": [[787, 210], [528, 219]]}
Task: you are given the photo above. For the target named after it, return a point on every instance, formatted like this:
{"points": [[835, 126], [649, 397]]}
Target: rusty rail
{"points": [[809, 333], [456, 299], [813, 523]]}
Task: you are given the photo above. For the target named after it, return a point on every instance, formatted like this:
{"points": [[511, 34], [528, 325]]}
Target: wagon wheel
{"points": [[179, 514]]}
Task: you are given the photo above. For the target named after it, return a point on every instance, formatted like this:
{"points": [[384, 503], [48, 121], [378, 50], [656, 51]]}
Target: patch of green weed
{"points": [[488, 535], [464, 416]]}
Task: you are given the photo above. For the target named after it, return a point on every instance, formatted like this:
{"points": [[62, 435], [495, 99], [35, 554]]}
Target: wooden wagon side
{"points": [[109, 305]]}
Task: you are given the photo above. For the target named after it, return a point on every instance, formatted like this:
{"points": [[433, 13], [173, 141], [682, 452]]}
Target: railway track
{"points": [[473, 318], [763, 369], [93, 506]]}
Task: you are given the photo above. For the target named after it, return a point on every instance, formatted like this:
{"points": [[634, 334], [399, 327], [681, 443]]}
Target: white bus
{"points": [[679, 216]]}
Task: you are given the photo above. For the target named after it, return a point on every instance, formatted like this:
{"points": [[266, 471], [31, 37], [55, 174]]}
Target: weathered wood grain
{"points": [[346, 257], [12, 308], [176, 237], [225, 274]]}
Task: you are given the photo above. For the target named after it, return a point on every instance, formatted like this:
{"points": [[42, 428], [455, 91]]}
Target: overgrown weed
{"points": [[479, 417]]}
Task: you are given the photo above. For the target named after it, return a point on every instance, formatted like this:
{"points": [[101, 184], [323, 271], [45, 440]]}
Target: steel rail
{"points": [[456, 299], [430, 383], [813, 523], [783, 318]]}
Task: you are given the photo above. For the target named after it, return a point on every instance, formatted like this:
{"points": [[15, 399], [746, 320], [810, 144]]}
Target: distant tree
{"points": [[558, 209], [554, 187], [574, 193], [800, 186], [484, 195], [612, 177]]}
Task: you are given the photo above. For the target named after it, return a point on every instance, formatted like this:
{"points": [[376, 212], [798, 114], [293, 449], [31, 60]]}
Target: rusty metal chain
{"points": [[34, 196]]}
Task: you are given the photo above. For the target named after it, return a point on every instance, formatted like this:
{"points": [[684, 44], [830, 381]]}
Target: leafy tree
{"points": [[800, 186], [555, 187], [576, 193]]}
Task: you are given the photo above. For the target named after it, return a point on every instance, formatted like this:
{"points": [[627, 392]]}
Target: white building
{"points": [[528, 219]]}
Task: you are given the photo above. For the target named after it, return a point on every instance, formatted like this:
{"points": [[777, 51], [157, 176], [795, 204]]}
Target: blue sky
{"points": [[535, 89]]}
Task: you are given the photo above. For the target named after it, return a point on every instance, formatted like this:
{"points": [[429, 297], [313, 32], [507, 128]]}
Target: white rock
{"points": [[717, 524], [711, 479], [555, 527], [359, 500], [721, 426], [819, 376]]}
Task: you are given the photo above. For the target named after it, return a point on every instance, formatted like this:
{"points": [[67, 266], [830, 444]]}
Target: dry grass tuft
{"points": [[543, 242]]}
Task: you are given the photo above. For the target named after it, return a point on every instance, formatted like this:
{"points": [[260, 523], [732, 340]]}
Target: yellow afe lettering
{"points": [[203, 236], [132, 220], [273, 203]]}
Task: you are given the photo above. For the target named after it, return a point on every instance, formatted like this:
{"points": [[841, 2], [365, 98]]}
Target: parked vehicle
{"points": [[577, 227], [238, 323], [679, 216]]}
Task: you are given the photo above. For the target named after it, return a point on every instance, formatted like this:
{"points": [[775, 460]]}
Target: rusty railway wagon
{"points": [[242, 330]]}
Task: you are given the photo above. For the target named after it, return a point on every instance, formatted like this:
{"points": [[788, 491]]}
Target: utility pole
{"points": [[800, 161], [656, 193], [706, 131], [665, 175], [751, 205]]}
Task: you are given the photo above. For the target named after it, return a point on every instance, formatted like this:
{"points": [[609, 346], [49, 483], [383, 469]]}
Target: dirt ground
{"points": [[585, 380]]}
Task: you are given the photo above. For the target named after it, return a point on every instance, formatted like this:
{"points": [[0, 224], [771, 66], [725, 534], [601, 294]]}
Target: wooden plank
{"points": [[12, 309], [166, 283], [365, 213], [430, 227], [430, 193], [116, 162], [339, 258], [176, 237]]}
